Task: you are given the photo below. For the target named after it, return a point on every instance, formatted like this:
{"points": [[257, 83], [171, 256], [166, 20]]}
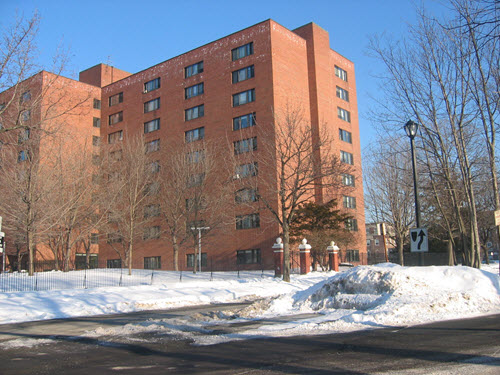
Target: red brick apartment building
{"points": [[248, 75]]}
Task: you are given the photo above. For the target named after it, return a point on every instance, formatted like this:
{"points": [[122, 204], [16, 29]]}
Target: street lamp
{"points": [[411, 129], [199, 229]]}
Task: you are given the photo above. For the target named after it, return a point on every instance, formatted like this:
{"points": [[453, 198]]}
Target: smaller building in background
{"points": [[380, 244]]}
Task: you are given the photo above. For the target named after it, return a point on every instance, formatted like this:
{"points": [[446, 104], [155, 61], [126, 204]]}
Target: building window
{"points": [[151, 126], [242, 51], [196, 204], [96, 140], [248, 221], [341, 73], [377, 242], [151, 233], [26, 115], [349, 202], [244, 121], [368, 242], [94, 238], [194, 135], [96, 122], [342, 94], [245, 145], [195, 156], [152, 85], [115, 99], [243, 74], [155, 166], [114, 263], [195, 179], [246, 170], [194, 90], [348, 179], [352, 256], [22, 156], [97, 104], [345, 136], [25, 96], [152, 105], [152, 146], [114, 237], [152, 263], [152, 188], [195, 112], [251, 256], [243, 97], [115, 118], [190, 258], [194, 69], [115, 137], [346, 158], [246, 195], [23, 136], [151, 210], [351, 224], [343, 114]]}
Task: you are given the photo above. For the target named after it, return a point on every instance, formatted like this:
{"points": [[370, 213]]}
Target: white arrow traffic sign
{"points": [[418, 240]]}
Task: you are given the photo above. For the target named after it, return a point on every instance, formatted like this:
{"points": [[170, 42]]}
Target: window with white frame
{"points": [[243, 74], [243, 97], [246, 195], [115, 99], [343, 114], [348, 179], [151, 232], [115, 137], [349, 202], [194, 134], [96, 122], [152, 105], [245, 145], [242, 51], [195, 156], [115, 118], [245, 121], [194, 69], [152, 85], [346, 157], [251, 256], [351, 224], [194, 90], [248, 221], [97, 104], [152, 146], [345, 136], [195, 179], [246, 170], [25, 96], [195, 112], [342, 94], [151, 126], [341, 73]]}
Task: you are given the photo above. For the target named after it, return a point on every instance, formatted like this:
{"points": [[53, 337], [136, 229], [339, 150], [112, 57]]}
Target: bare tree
{"points": [[296, 164], [389, 188], [128, 183], [194, 192]]}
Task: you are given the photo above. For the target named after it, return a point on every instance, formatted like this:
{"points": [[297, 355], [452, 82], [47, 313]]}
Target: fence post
{"points": [[121, 274], [152, 273], [36, 281], [180, 276], [211, 269], [85, 279]]}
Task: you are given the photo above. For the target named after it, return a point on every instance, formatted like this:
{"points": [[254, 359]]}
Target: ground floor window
{"points": [[352, 256], [251, 256], [114, 263], [152, 263], [81, 259], [190, 260]]}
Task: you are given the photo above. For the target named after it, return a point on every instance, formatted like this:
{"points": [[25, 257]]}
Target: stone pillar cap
{"points": [[278, 244], [304, 245]]}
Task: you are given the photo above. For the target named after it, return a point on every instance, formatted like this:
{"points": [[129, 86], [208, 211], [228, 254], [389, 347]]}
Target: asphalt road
{"points": [[470, 346]]}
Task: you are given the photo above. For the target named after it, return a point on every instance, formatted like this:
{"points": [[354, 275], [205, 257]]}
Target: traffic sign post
{"points": [[418, 240], [2, 248]]}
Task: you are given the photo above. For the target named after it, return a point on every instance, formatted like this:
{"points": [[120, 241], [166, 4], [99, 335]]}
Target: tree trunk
{"points": [[286, 252], [176, 252]]}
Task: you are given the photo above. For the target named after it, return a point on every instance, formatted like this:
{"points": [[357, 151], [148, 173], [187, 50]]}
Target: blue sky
{"points": [[133, 35]]}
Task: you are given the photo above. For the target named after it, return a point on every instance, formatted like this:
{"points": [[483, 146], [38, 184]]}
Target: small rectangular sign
{"points": [[418, 240], [497, 218]]}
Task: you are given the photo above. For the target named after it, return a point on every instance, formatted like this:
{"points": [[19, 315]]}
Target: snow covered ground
{"points": [[385, 295]]}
